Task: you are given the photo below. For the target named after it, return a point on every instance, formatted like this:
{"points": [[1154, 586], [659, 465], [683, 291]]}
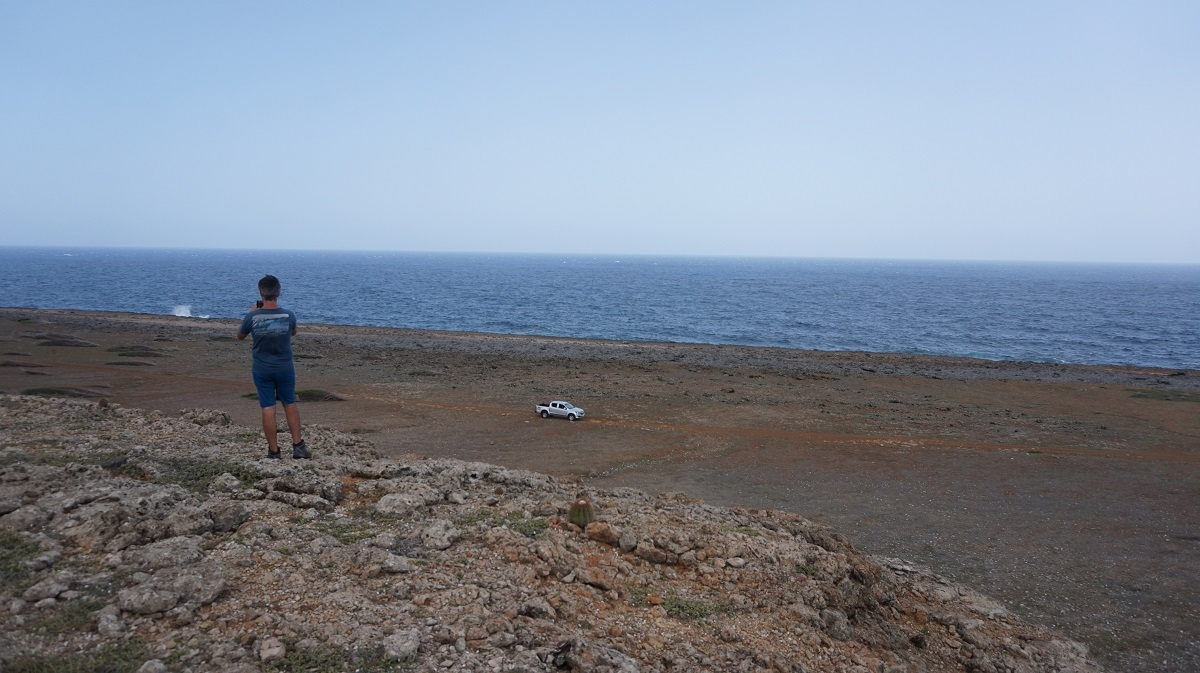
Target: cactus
{"points": [[581, 513]]}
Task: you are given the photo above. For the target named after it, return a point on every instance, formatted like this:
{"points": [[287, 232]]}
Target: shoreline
{"points": [[1066, 491], [894, 363]]}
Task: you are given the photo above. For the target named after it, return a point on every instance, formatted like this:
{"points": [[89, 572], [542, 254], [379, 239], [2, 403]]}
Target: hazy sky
{"points": [[952, 130]]}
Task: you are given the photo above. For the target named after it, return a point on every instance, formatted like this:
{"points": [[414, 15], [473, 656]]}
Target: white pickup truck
{"points": [[561, 409]]}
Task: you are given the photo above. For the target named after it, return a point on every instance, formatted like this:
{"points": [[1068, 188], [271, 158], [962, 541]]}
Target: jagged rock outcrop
{"points": [[176, 536]]}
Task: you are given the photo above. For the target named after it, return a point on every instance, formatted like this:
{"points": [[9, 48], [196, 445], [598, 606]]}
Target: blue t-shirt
{"points": [[272, 331]]}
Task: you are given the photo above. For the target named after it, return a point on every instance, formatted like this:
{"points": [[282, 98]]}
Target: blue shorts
{"points": [[275, 385]]}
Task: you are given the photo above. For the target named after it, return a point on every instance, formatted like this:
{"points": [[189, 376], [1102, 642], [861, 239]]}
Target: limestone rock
{"points": [[27, 518], [270, 649], [403, 645], [440, 534], [174, 551]]}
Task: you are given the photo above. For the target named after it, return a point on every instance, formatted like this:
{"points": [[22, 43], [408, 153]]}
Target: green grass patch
{"points": [[222, 337], [196, 475], [193, 475], [421, 372], [750, 532], [683, 609], [124, 657], [515, 521], [69, 617], [329, 659], [1166, 395], [695, 611], [14, 551], [347, 531], [473, 517], [529, 527]]}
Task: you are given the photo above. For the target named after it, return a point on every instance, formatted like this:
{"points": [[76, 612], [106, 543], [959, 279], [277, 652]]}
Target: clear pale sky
{"points": [[951, 130]]}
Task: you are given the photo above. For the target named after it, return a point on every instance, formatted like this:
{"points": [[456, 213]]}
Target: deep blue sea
{"points": [[1078, 313]]}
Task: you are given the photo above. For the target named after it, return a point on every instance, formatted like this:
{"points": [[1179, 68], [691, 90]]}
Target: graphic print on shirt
{"points": [[271, 332]]}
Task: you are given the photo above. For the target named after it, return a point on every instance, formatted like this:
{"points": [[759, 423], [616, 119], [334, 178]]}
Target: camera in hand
{"points": [[258, 304]]}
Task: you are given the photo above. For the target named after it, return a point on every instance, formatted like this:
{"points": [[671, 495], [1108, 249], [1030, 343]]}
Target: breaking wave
{"points": [[185, 311]]}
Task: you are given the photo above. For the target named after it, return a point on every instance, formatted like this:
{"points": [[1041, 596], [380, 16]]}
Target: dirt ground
{"points": [[1071, 493]]}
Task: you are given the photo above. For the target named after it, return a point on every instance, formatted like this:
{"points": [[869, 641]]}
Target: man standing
{"points": [[274, 372]]}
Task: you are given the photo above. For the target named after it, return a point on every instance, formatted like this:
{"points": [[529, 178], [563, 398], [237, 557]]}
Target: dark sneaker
{"points": [[273, 454], [300, 450]]}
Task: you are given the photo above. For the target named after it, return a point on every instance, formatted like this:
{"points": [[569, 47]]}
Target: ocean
{"points": [[1146, 315]]}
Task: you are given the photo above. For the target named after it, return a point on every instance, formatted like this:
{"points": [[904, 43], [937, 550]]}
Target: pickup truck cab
{"points": [[560, 409]]}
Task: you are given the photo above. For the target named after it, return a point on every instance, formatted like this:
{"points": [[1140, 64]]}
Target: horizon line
{"points": [[601, 254]]}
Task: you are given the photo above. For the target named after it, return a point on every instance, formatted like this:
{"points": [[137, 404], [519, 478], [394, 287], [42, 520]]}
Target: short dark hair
{"points": [[268, 287]]}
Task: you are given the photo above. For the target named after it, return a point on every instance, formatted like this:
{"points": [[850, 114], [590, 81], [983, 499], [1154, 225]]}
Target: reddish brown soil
{"points": [[1071, 493]]}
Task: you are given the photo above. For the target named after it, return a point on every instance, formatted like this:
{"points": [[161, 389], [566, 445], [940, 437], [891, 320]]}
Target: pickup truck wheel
{"points": [[545, 414], [570, 417]]}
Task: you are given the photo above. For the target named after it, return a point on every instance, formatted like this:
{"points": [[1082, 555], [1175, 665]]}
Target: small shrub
{"points": [[317, 395], [70, 616], [196, 475], [124, 657], [60, 391], [681, 608], [750, 532], [472, 518], [329, 659], [347, 532], [695, 611], [529, 527], [637, 596], [116, 462], [14, 551], [514, 521]]}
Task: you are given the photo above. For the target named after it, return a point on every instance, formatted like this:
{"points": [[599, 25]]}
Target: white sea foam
{"points": [[185, 311]]}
